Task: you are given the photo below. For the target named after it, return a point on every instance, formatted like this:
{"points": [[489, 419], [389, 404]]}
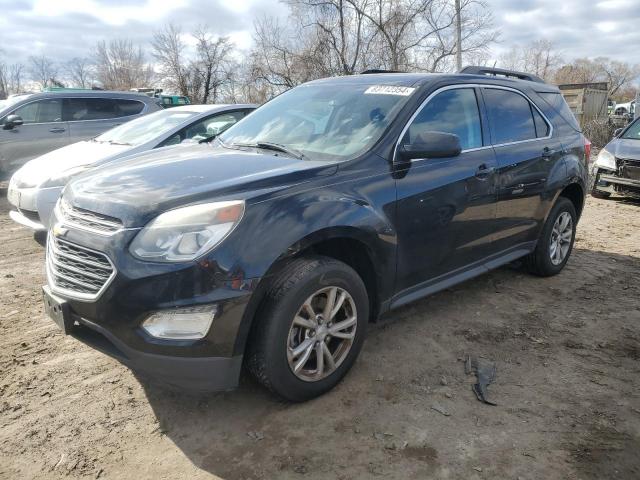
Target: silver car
{"points": [[33, 124], [35, 188]]}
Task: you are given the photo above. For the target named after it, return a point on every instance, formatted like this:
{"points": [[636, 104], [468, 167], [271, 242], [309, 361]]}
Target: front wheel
{"points": [[556, 240], [311, 328]]}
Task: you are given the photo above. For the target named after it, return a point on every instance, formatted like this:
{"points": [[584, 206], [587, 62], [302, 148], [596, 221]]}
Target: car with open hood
{"points": [[341, 199], [35, 188]]}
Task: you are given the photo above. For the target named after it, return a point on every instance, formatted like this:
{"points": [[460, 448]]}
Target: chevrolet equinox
{"points": [[274, 245]]}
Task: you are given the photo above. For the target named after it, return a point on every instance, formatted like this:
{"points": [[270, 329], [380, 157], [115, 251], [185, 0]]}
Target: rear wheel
{"points": [[311, 328], [556, 240]]}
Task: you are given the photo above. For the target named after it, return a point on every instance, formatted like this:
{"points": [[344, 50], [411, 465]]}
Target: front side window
{"points": [[452, 111], [322, 121], [510, 116], [42, 111], [214, 125]]}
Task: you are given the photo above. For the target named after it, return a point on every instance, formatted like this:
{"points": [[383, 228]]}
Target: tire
{"points": [[540, 261], [271, 349]]}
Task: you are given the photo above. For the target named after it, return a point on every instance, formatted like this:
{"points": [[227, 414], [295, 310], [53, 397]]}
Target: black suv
{"points": [[330, 205]]}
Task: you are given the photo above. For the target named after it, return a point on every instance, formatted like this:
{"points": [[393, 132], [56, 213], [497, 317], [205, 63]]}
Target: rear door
{"points": [[89, 117], [43, 131], [446, 206], [527, 155]]}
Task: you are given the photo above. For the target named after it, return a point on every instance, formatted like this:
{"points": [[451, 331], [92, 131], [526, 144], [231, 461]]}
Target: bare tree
{"points": [[168, 50], [43, 70], [80, 72], [618, 75], [16, 72], [213, 65], [539, 57], [121, 66]]}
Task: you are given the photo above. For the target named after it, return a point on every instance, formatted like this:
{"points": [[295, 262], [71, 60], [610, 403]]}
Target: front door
{"points": [[445, 210], [43, 131]]}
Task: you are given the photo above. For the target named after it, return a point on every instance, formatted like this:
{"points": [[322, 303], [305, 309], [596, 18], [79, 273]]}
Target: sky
{"points": [[68, 28]]}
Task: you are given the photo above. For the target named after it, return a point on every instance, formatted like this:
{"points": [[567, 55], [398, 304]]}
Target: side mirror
{"points": [[617, 132], [12, 121], [431, 145]]}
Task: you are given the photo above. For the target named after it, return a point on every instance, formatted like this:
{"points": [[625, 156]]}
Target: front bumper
{"points": [[34, 206], [196, 374], [111, 322], [607, 181]]}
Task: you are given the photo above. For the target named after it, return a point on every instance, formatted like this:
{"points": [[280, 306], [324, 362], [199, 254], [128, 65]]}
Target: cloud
{"points": [[578, 28], [64, 29]]}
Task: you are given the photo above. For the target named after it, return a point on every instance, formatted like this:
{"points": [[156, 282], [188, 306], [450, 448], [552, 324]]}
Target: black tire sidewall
{"points": [[280, 316]]}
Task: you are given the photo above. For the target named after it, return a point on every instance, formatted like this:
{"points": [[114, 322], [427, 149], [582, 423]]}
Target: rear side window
{"points": [[510, 116], [42, 111], [83, 109], [452, 111], [556, 102], [542, 128]]}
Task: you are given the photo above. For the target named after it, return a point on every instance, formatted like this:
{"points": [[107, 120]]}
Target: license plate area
{"points": [[58, 310]]}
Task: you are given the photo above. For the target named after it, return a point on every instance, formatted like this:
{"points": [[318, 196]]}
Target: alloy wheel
{"points": [[321, 334], [561, 237]]}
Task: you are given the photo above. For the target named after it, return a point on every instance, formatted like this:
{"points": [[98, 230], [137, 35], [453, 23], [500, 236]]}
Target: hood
{"points": [[625, 148], [142, 186], [55, 163]]}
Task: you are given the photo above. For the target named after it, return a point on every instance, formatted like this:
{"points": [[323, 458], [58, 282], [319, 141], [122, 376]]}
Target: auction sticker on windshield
{"points": [[389, 90]]}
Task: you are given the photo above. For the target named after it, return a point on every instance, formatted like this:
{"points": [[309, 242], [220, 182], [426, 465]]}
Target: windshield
{"points": [[323, 122], [6, 103], [633, 132], [143, 129]]}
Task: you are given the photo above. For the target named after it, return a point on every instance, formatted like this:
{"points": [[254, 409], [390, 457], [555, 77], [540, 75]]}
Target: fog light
{"points": [[189, 323]]}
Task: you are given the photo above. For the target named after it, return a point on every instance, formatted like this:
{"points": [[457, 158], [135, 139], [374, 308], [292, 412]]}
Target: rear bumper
{"points": [[195, 374]]}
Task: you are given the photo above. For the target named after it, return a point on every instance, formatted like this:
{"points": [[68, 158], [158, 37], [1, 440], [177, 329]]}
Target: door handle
{"points": [[547, 153], [484, 171], [57, 130]]}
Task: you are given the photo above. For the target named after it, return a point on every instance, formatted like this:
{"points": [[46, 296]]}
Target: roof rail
{"points": [[502, 73], [376, 70]]}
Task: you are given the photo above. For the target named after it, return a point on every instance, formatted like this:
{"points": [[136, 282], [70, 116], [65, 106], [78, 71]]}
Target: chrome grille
{"points": [[87, 220], [76, 270]]}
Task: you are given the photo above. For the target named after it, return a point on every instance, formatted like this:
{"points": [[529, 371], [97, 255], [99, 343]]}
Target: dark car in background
{"points": [[330, 205], [617, 166], [34, 124]]}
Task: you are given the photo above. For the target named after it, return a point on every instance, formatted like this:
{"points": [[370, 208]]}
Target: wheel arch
{"points": [[351, 245]]}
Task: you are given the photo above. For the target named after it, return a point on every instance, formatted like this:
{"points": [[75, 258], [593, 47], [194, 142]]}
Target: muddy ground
{"points": [[567, 351]]}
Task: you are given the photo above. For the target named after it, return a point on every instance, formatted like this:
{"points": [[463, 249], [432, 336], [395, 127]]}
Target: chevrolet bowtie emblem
{"points": [[59, 230]]}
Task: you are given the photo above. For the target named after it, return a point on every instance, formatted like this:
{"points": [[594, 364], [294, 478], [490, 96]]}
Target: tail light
{"points": [[587, 150]]}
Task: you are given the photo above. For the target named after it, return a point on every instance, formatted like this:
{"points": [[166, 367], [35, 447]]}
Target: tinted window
{"points": [[82, 109], [452, 111], [542, 128], [129, 107], [633, 131], [212, 125], [510, 116], [42, 111], [556, 102]]}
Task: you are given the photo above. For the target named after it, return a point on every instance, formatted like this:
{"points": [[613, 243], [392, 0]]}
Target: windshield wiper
{"points": [[272, 146], [112, 142]]}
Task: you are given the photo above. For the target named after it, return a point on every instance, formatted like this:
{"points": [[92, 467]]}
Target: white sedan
{"points": [[34, 189]]}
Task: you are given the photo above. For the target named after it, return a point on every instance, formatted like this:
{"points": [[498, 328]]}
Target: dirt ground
{"points": [[567, 351]]}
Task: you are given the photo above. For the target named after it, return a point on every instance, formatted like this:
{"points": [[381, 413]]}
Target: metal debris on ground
{"points": [[485, 373]]}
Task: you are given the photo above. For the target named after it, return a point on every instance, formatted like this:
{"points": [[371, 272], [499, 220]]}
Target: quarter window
{"points": [[42, 111], [542, 128], [452, 111], [510, 116]]}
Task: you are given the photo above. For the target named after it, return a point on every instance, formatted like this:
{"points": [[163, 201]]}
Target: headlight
{"points": [[186, 233], [606, 160]]}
